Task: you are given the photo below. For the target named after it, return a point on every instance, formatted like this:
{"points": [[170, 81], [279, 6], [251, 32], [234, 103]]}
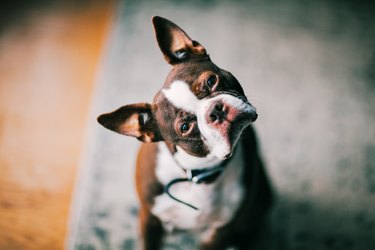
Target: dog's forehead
{"points": [[190, 72], [181, 88], [185, 85]]}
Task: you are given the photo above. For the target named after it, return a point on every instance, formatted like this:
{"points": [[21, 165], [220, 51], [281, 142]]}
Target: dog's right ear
{"points": [[135, 120], [175, 44]]}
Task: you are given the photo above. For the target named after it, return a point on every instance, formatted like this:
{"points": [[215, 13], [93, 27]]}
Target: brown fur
{"points": [[147, 188]]}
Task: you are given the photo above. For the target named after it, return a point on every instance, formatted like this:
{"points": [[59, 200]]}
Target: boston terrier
{"points": [[199, 167]]}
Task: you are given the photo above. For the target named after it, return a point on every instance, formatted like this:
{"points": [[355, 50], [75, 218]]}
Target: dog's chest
{"points": [[217, 202]]}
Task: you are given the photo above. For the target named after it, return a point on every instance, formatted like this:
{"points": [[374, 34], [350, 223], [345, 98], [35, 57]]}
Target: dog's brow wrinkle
{"points": [[180, 95]]}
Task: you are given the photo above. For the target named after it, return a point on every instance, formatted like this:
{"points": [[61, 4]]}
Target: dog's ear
{"points": [[135, 120], [175, 44]]}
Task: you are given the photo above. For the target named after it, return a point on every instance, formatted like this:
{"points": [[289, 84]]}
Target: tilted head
{"points": [[200, 112]]}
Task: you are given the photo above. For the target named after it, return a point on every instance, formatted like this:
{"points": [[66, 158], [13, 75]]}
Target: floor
{"points": [[49, 55]]}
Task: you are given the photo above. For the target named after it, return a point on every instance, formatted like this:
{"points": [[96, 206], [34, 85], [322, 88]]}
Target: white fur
{"points": [[217, 202], [180, 95], [191, 162], [168, 168]]}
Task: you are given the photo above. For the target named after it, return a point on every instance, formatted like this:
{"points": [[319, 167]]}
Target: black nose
{"points": [[217, 113]]}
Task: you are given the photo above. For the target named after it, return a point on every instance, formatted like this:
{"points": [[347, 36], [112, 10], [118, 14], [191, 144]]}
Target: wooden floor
{"points": [[48, 62]]}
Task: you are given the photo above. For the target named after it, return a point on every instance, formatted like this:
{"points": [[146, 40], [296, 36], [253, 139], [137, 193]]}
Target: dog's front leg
{"points": [[226, 238], [217, 239], [151, 230]]}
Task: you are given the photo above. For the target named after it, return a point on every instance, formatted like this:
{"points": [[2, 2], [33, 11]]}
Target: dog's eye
{"points": [[185, 127], [211, 81]]}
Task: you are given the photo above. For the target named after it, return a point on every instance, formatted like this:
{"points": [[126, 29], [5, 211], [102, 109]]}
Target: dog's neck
{"points": [[202, 170], [199, 169], [190, 162]]}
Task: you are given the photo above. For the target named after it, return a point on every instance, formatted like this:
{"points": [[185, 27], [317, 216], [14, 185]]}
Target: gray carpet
{"points": [[309, 68]]}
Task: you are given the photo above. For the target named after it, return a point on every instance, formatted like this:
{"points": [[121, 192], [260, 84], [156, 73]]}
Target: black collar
{"points": [[205, 175], [197, 176]]}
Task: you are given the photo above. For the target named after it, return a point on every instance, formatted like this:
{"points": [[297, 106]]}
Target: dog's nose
{"points": [[219, 112], [216, 113]]}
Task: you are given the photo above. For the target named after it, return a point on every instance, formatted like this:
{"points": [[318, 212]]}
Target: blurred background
{"points": [[49, 56], [308, 67]]}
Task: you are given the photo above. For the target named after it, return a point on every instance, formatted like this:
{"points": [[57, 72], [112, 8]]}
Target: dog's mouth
{"points": [[222, 120]]}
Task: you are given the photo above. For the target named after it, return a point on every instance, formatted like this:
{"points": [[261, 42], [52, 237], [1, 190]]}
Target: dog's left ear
{"points": [[175, 44], [135, 120]]}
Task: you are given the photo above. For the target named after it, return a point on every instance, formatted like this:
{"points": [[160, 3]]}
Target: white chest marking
{"points": [[217, 202]]}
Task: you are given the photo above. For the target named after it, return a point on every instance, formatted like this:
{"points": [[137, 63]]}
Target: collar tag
{"points": [[204, 175]]}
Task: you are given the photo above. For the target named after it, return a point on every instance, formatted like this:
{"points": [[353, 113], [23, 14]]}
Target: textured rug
{"points": [[309, 70]]}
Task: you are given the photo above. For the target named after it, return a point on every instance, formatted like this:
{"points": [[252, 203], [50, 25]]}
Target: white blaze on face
{"points": [[180, 95]]}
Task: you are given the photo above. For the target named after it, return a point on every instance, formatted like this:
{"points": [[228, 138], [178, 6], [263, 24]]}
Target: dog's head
{"points": [[201, 110]]}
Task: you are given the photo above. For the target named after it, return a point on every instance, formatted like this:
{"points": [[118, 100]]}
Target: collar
{"points": [[197, 176], [205, 175]]}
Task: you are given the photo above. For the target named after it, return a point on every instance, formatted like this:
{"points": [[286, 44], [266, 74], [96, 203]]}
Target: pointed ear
{"points": [[175, 44], [135, 120]]}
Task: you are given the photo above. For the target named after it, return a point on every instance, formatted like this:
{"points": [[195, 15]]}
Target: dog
{"points": [[199, 168]]}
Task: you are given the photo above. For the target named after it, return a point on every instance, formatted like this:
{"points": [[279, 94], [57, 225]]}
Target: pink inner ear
{"points": [[181, 41], [178, 40], [131, 126]]}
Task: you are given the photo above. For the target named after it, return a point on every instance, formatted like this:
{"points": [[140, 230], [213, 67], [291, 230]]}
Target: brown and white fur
{"points": [[200, 119]]}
